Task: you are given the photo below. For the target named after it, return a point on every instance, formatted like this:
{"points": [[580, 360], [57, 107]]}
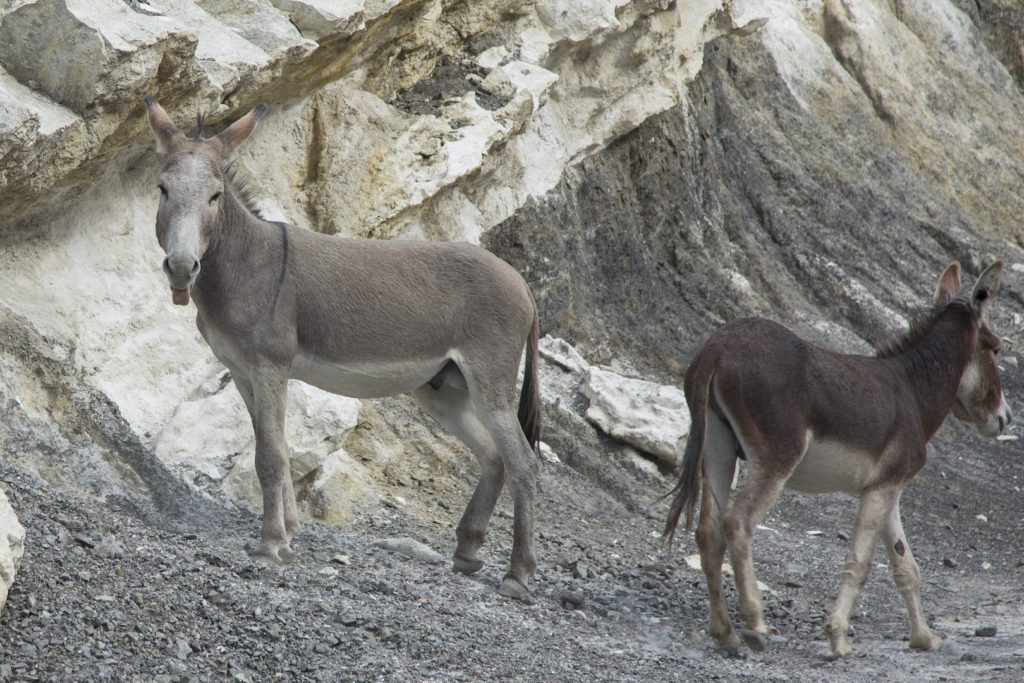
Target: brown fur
{"points": [[816, 420]]}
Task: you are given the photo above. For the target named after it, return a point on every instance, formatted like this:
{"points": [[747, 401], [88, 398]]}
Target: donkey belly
{"points": [[829, 466], [366, 379]]}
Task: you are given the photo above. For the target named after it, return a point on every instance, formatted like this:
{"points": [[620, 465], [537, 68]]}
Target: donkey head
{"points": [[980, 399], [191, 191]]}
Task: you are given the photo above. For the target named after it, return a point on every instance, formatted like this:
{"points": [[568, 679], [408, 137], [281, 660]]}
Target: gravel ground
{"points": [[107, 593]]}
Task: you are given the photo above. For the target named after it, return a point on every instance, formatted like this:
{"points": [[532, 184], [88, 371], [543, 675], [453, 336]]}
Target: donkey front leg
{"points": [[291, 513], [875, 506], [270, 396], [907, 577]]}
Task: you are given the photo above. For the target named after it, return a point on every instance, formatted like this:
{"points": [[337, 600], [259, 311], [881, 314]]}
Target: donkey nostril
{"points": [[167, 266], [195, 268]]}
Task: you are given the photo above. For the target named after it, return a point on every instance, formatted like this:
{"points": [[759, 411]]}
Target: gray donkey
{"points": [[362, 318]]}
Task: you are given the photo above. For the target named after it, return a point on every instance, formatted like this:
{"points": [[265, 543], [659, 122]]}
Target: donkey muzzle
{"points": [[181, 272]]}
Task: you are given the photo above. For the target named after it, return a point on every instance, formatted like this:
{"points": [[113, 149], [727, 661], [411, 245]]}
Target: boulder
{"points": [[649, 416], [12, 547]]}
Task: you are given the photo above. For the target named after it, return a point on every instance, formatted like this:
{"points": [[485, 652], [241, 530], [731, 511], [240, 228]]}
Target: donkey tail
{"points": [[529, 397], [688, 488]]}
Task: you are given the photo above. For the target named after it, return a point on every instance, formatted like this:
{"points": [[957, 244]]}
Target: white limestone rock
{"points": [[563, 354], [78, 52], [224, 55], [12, 547], [318, 18], [534, 45], [492, 57], [548, 454], [516, 76], [649, 416], [410, 548], [212, 436], [577, 20], [259, 22]]}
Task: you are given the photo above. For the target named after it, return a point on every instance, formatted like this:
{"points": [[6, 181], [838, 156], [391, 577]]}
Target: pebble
{"points": [[85, 541], [410, 548], [985, 631], [183, 649], [949, 562], [571, 599], [109, 548]]}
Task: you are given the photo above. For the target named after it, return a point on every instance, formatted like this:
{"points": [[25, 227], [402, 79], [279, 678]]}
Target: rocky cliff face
{"points": [[422, 120], [653, 168]]}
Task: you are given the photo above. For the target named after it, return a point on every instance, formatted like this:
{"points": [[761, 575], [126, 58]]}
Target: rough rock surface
{"points": [[653, 168]]}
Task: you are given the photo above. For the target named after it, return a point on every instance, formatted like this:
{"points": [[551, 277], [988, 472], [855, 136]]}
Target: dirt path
{"points": [[103, 596]]}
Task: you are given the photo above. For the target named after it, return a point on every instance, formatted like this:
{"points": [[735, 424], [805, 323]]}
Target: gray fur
{"points": [[446, 322]]}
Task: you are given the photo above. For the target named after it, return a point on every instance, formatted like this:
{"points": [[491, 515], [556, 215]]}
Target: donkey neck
{"points": [[934, 364], [244, 252]]}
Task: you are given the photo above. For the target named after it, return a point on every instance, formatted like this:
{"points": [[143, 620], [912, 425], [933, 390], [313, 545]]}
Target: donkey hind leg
{"points": [[521, 471], [719, 469], [875, 507], [907, 576], [451, 407], [291, 513], [493, 406], [760, 490], [270, 396]]}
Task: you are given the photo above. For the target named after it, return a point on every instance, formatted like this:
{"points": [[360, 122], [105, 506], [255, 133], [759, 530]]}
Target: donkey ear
{"points": [[949, 284], [987, 286], [238, 131], [163, 127]]}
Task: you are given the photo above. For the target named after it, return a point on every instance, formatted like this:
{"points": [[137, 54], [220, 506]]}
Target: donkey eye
{"points": [[163, 190], [995, 351], [215, 197]]}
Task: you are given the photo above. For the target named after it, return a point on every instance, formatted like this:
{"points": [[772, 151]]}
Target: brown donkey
{"points": [[363, 318], [818, 421]]}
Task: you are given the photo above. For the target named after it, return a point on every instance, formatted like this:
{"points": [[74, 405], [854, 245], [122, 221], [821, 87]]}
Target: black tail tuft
{"points": [[687, 490], [529, 397]]}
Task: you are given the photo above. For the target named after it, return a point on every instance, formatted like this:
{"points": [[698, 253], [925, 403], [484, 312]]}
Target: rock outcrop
{"points": [[12, 546]]}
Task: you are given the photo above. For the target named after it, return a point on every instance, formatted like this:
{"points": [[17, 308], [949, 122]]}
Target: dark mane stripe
{"points": [[241, 189], [920, 324]]}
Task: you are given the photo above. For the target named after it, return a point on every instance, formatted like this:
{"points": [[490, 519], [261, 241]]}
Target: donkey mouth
{"points": [[180, 296]]}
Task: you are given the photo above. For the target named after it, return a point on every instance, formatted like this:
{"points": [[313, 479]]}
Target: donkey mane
{"points": [[241, 189], [921, 324]]}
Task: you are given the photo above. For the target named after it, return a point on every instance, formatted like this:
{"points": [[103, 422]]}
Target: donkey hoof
{"points": [[264, 553], [839, 651], [466, 567], [512, 588], [754, 640], [286, 555], [927, 643]]}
